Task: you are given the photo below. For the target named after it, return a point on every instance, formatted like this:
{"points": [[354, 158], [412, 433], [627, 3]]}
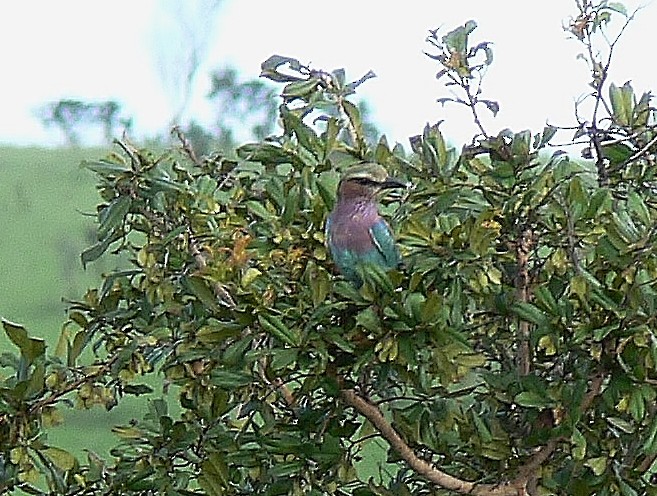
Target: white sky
{"points": [[106, 50]]}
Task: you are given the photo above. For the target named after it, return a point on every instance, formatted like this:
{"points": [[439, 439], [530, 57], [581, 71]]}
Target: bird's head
{"points": [[365, 180]]}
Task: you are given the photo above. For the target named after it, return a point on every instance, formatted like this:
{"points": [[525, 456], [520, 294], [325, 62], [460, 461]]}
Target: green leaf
{"points": [[544, 297], [432, 307], [457, 39], [533, 399], [291, 208], [158, 181], [75, 349], [617, 153], [250, 275], [31, 348], [283, 357], [200, 288], [335, 336], [327, 184], [95, 251], [286, 469], [413, 305], [599, 200], [320, 285], [137, 389], [637, 206], [650, 445], [375, 276], [304, 133], [602, 332], [62, 459], [267, 153], [622, 103], [637, 407], [520, 143], [276, 192], [339, 77], [214, 476], [234, 354], [368, 319], [598, 465], [113, 215], [35, 383], [355, 84], [257, 209], [579, 448], [530, 313], [642, 110], [484, 432], [62, 342], [270, 68], [598, 296], [579, 286], [276, 327], [578, 198], [621, 424], [617, 7], [299, 89], [353, 114], [626, 489], [231, 380], [106, 168], [545, 137]]}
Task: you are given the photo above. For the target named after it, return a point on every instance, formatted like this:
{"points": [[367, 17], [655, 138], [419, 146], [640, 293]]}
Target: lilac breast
{"points": [[350, 225]]}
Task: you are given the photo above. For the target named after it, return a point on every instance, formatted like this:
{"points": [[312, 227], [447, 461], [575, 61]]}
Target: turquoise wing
{"points": [[383, 252], [385, 245]]}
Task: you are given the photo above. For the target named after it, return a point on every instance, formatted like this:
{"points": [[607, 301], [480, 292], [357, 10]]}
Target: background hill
{"points": [[45, 201]]}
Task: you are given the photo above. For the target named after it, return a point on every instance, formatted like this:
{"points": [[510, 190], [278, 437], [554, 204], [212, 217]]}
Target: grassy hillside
{"points": [[44, 194]]}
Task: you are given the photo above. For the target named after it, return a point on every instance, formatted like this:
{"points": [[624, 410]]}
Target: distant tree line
{"points": [[71, 116], [245, 109]]}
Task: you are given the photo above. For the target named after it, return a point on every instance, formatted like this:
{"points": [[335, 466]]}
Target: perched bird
{"points": [[355, 231]]}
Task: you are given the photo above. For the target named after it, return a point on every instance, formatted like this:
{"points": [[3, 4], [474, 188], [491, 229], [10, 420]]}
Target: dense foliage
{"points": [[514, 353]]}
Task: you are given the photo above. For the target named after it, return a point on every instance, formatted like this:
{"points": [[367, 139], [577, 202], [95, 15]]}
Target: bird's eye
{"points": [[364, 181]]}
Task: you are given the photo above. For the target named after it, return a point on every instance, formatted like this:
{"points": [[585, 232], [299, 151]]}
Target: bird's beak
{"points": [[391, 183]]}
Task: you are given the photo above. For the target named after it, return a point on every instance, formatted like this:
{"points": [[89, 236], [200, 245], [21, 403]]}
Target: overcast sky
{"points": [[111, 50]]}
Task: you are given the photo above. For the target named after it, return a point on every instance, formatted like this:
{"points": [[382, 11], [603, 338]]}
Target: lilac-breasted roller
{"points": [[355, 231]]}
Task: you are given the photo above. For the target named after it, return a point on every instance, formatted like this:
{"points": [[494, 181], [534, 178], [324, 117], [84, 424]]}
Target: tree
{"points": [[246, 110], [248, 107], [514, 354], [69, 115]]}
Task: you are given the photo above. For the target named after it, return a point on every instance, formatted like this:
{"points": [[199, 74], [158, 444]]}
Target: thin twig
{"points": [[57, 395], [600, 74], [473, 107], [186, 145]]}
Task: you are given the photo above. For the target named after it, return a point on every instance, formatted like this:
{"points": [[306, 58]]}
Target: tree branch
{"points": [[423, 468], [523, 249], [516, 487], [55, 396], [527, 472], [187, 146]]}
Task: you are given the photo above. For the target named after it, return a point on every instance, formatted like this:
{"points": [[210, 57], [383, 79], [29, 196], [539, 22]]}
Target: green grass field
{"points": [[44, 194]]}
